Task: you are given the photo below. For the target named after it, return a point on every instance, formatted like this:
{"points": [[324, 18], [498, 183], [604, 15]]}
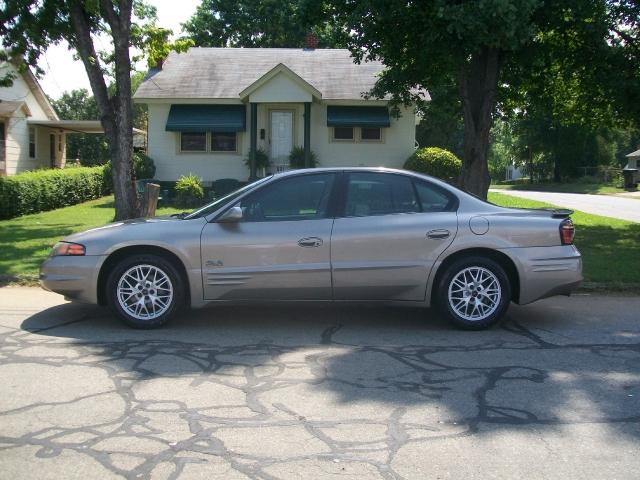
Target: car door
{"points": [[279, 250], [391, 230]]}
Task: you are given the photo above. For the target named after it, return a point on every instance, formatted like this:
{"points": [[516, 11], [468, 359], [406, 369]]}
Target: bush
{"points": [[262, 159], [436, 162], [43, 190], [143, 167], [189, 191], [296, 158]]}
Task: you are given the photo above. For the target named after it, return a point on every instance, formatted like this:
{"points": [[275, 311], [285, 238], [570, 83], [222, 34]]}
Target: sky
{"points": [[63, 73]]}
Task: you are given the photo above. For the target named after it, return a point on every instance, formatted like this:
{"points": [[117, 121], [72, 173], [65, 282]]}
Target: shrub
{"points": [[189, 191], [436, 162], [296, 158], [143, 167], [42, 190], [262, 159]]}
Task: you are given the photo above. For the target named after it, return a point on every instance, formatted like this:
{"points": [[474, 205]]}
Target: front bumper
{"points": [[546, 271], [74, 277]]}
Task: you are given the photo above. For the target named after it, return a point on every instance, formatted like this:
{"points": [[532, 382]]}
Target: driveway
{"points": [[606, 205], [319, 392]]}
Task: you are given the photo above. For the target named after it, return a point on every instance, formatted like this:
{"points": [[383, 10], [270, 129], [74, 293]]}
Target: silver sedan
{"points": [[357, 234]]}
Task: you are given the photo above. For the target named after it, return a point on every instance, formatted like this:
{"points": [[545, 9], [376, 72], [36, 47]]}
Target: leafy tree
{"points": [[261, 23], [492, 50]]}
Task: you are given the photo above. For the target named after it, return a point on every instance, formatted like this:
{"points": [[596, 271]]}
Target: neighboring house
{"points": [[208, 106], [25, 145], [632, 164], [513, 173]]}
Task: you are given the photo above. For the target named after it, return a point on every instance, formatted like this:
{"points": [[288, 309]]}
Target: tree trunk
{"points": [[115, 113], [478, 85]]}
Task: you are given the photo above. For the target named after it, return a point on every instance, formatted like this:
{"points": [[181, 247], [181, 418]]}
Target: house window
{"points": [[193, 141], [223, 142], [32, 142], [343, 133], [370, 134]]}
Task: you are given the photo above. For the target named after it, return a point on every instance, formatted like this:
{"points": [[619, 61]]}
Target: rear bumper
{"points": [[546, 271], [74, 277]]}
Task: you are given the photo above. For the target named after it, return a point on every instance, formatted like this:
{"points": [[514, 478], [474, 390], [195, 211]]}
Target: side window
{"points": [[432, 198], [379, 194], [298, 198]]}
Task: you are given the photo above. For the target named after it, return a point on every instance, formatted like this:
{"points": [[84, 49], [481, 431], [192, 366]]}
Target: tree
{"points": [[261, 23], [487, 48]]}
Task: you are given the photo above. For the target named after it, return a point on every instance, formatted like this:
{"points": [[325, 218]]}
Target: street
{"points": [[316, 392], [606, 205]]}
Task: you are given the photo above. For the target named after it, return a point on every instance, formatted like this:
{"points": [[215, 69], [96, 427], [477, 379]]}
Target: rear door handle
{"points": [[438, 234], [310, 242]]}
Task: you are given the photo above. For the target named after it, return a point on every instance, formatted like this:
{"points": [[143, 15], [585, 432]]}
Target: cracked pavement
{"points": [[319, 392]]}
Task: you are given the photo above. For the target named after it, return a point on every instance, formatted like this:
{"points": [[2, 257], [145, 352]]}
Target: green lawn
{"points": [[610, 247], [25, 241], [595, 189]]}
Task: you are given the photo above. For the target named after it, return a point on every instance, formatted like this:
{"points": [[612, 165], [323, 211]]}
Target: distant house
{"points": [[209, 106], [512, 173]]}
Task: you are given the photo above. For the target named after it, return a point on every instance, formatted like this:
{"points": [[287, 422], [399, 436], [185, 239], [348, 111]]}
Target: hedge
{"points": [[436, 162], [42, 190]]}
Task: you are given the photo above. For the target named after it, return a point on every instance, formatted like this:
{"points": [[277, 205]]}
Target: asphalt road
{"points": [[606, 205], [319, 392]]}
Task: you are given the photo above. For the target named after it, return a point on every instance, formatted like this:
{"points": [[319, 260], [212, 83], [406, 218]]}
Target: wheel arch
{"points": [[501, 258], [124, 252]]}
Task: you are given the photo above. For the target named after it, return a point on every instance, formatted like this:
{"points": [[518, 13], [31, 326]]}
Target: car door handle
{"points": [[437, 234], [310, 242]]}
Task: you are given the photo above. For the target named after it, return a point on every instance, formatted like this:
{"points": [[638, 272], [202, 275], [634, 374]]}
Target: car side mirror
{"points": [[234, 214]]}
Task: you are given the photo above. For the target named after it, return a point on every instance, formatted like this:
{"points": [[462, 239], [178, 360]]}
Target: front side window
{"points": [[32, 142], [343, 133], [223, 141], [298, 198], [193, 142], [379, 194]]}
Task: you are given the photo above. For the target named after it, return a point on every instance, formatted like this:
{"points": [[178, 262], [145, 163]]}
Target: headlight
{"points": [[67, 249]]}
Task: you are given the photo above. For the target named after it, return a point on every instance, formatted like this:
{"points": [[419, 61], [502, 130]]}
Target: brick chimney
{"points": [[310, 41]]}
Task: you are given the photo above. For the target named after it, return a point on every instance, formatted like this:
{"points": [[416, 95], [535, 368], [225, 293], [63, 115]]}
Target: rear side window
{"points": [[433, 198], [298, 198], [379, 194]]}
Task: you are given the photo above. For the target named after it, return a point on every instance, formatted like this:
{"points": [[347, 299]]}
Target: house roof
{"points": [[225, 73], [76, 126], [635, 154], [7, 108]]}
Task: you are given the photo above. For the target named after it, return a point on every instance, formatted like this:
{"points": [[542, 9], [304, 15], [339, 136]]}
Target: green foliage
{"points": [[262, 159], [43, 190], [143, 168], [189, 191], [436, 162], [157, 45], [263, 23], [296, 158]]}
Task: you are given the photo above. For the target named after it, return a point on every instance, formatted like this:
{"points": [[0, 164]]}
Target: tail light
{"points": [[567, 232]]}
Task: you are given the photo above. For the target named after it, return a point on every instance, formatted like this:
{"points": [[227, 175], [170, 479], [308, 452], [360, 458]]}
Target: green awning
{"points": [[352, 116], [206, 118]]}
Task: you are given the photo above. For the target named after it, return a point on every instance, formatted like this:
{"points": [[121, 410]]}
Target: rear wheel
{"points": [[145, 291], [474, 293]]}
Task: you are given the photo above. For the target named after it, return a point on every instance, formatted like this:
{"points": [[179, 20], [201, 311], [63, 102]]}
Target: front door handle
{"points": [[438, 234], [310, 242]]}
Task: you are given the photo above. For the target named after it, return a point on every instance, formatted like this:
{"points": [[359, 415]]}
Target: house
{"points": [[209, 107], [512, 172]]}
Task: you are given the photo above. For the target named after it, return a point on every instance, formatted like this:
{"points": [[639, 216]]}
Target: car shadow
{"points": [[540, 368]]}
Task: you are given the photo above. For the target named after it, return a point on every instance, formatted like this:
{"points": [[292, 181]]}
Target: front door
{"points": [[281, 136], [280, 250], [392, 230]]}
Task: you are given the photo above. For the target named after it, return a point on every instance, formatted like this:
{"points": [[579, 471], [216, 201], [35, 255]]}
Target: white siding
{"points": [[398, 143], [280, 89]]}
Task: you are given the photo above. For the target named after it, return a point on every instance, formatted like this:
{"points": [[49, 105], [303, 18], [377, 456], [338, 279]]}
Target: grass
{"points": [[592, 188], [26, 241], [610, 247]]}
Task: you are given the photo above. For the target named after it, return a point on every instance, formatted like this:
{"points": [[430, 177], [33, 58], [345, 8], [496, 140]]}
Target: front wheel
{"points": [[474, 293], [145, 291]]}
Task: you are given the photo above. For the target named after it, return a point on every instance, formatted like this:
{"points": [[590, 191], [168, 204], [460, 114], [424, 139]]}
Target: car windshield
{"points": [[216, 204]]}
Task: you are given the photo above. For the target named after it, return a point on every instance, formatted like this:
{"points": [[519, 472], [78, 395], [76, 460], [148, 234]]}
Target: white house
{"points": [[209, 107]]}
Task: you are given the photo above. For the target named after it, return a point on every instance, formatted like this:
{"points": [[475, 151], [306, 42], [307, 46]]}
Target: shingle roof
{"points": [[225, 72]]}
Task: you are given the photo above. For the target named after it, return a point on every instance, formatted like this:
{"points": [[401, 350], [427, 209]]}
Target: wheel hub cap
{"points": [[145, 292], [474, 293]]}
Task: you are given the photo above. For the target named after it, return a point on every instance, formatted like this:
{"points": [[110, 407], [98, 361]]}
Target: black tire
{"points": [[442, 294], [175, 279]]}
